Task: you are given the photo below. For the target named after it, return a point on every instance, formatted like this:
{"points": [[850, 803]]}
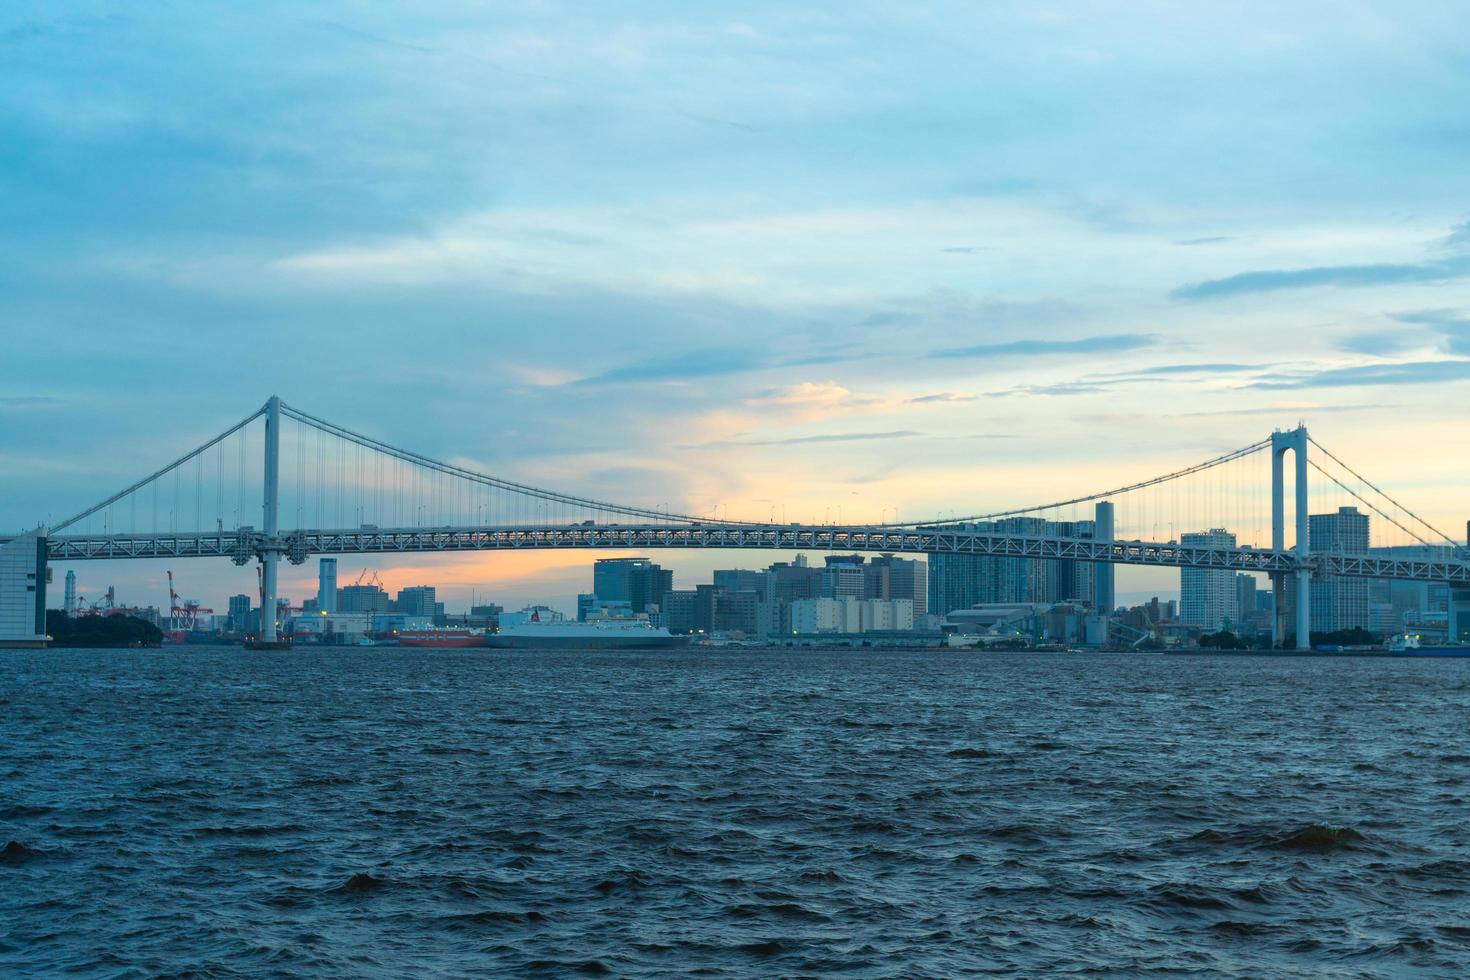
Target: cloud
{"points": [[1459, 236], [1212, 240], [1215, 368], [1407, 373], [1378, 343], [941, 396], [709, 363], [1453, 325], [809, 400], [1326, 275], [807, 440], [1063, 388], [967, 249], [23, 402], [678, 367], [1283, 408], [1104, 344]]}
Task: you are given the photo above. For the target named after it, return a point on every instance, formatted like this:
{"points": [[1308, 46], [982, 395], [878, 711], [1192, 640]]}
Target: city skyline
{"points": [[757, 266]]}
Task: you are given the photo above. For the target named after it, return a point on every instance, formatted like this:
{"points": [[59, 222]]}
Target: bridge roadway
{"points": [[245, 544]]}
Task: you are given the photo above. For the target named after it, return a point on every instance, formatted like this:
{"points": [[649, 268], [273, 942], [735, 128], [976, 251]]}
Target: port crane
{"points": [[183, 614]]}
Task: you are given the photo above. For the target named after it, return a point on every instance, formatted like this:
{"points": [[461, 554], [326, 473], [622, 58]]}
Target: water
{"points": [[377, 812]]}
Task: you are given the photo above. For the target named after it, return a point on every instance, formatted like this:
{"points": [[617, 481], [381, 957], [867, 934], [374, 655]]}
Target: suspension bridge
{"points": [[343, 492]]}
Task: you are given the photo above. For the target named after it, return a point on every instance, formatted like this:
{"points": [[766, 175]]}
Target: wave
{"points": [[1318, 839]]}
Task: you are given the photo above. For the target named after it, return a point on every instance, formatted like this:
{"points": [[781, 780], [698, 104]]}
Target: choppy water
{"points": [[407, 813]]}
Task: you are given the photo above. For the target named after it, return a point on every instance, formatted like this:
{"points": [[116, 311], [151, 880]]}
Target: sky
{"points": [[879, 257]]}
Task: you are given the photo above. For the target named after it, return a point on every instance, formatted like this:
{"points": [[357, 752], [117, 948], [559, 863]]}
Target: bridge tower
{"points": [[270, 552], [1294, 442]]}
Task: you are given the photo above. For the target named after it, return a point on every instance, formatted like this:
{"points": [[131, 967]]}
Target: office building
{"points": [[888, 577], [637, 581], [739, 580], [23, 577], [326, 585], [69, 596], [363, 599], [1207, 596], [845, 614], [1245, 600], [241, 618], [678, 610], [964, 581], [416, 600], [1339, 602], [843, 576]]}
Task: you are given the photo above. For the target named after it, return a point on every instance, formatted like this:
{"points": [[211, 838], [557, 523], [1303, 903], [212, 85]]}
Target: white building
{"points": [[849, 615], [342, 627], [23, 576], [1207, 597]]}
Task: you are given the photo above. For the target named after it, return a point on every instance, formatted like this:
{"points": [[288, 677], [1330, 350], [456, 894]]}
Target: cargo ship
{"points": [[445, 638], [1408, 645], [608, 634]]}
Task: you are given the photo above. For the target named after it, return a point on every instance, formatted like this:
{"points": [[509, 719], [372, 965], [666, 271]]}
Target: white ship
{"points": [[607, 634]]}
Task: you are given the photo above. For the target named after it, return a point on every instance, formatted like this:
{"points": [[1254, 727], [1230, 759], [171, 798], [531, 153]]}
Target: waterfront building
{"points": [[417, 600], [1339, 602], [888, 577], [1207, 596], [69, 596], [843, 576], [326, 585], [788, 581], [363, 599], [636, 581], [678, 610], [241, 618], [964, 581], [736, 612], [1245, 600], [23, 577], [844, 614], [739, 580]]}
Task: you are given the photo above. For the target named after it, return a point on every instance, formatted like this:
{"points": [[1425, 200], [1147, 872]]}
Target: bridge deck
{"points": [[245, 544]]}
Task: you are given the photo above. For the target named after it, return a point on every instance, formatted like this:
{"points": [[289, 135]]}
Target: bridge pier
{"points": [[1294, 442], [270, 554]]}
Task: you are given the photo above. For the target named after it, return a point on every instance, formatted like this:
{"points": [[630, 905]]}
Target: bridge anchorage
{"points": [[342, 492]]}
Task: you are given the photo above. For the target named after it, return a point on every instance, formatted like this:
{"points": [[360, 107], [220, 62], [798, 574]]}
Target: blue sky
{"points": [[814, 254]]}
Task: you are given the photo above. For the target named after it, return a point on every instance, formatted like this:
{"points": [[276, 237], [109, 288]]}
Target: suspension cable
{"points": [[1372, 506], [1326, 452], [450, 469], [153, 476], [1218, 460]]}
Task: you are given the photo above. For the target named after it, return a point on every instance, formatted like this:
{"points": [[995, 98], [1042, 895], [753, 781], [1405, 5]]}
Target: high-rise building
{"points": [[637, 581], [23, 576], [739, 580], [416, 600], [69, 596], [843, 575], [241, 619], [678, 610], [963, 581], [326, 585], [736, 612], [363, 599], [1245, 600], [1207, 596], [889, 577], [1103, 598], [1339, 602]]}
